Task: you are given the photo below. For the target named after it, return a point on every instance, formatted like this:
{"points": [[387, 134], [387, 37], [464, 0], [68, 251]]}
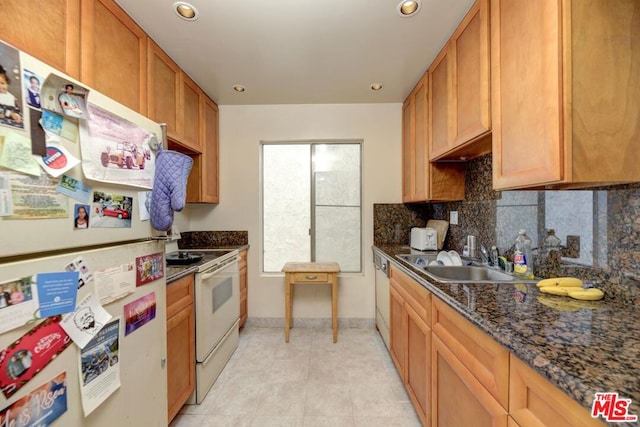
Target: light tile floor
{"points": [[308, 382]]}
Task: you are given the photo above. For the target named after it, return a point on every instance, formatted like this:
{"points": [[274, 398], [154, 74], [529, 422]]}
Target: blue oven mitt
{"points": [[169, 187]]}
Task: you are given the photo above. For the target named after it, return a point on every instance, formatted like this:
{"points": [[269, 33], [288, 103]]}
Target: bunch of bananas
{"points": [[571, 287]]}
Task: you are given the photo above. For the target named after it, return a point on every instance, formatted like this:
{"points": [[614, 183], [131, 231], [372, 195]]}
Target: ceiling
{"points": [[301, 51]]}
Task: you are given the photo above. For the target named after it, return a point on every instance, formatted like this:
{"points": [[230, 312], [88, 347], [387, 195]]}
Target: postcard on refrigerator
{"points": [[86, 321], [99, 367], [80, 266], [18, 302], [74, 188], [116, 150], [39, 408], [57, 292], [149, 268], [28, 355], [115, 282], [139, 312]]}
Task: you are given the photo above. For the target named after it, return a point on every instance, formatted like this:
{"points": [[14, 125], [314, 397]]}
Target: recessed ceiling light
{"points": [[185, 11], [408, 8], [239, 88], [376, 86]]}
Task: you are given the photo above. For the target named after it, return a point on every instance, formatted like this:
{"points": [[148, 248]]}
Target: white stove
{"points": [[217, 311]]}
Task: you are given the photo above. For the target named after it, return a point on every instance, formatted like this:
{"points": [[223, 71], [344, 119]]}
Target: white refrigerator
{"points": [[119, 377], [141, 398]]}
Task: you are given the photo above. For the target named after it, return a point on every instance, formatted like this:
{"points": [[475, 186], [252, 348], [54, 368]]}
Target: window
{"points": [[311, 204]]}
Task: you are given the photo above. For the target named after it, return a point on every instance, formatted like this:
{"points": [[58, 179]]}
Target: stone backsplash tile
{"points": [[606, 222], [392, 222], [212, 239]]}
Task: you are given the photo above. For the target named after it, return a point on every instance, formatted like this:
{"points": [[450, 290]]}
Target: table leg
{"points": [[334, 306], [288, 306]]}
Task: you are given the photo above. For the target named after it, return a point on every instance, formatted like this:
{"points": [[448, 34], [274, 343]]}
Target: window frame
{"points": [[312, 205]]}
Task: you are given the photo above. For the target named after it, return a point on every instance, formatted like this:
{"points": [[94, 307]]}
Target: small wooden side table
{"points": [[310, 272]]}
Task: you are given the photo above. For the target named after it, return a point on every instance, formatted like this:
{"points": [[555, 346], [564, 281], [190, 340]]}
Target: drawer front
{"points": [[311, 277], [534, 401], [179, 295], [414, 294], [487, 360]]}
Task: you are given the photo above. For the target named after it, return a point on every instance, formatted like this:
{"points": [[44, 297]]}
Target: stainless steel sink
{"points": [[458, 274], [469, 273]]}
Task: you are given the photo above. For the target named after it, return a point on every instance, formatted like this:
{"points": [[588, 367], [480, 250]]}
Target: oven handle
{"points": [[207, 274]]}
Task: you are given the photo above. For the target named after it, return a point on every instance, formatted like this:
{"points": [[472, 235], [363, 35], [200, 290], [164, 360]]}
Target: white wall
{"points": [[241, 130]]}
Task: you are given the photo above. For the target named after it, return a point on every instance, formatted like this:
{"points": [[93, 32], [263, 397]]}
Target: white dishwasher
{"points": [[382, 295]]}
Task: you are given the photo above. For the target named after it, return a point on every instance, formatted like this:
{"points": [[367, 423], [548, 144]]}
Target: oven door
{"points": [[217, 305]]}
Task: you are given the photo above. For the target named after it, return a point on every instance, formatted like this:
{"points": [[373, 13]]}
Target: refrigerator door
{"points": [[141, 399], [24, 236]]}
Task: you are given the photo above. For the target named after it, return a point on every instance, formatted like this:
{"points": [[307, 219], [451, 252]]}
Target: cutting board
{"points": [[442, 227]]}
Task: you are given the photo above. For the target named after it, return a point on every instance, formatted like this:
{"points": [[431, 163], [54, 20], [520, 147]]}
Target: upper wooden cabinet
{"points": [[440, 113], [422, 180], [203, 185], [459, 100], [189, 115], [113, 53], [211, 153], [565, 89], [174, 99], [414, 145], [45, 29], [163, 88]]}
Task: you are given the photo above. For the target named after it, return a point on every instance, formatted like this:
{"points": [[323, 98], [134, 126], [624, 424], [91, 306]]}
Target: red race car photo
{"points": [[111, 211]]}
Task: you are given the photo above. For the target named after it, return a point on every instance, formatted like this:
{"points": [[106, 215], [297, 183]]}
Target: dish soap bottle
{"points": [[523, 256]]}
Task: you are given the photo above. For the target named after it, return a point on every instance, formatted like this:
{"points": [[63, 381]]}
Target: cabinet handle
{"points": [[311, 277]]}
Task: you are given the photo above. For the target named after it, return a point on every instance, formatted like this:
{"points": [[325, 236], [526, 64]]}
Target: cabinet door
{"points": [[210, 152], [421, 142], [418, 369], [535, 402], [487, 360], [526, 93], [113, 54], [46, 29], [189, 116], [163, 89], [181, 359], [397, 331], [470, 63], [458, 398], [440, 104], [408, 147]]}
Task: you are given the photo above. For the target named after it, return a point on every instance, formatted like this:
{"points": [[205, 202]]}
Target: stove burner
{"points": [[183, 258]]}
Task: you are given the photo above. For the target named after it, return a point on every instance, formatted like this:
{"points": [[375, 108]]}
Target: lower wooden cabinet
{"points": [[457, 375], [181, 347], [242, 266], [410, 338], [459, 399], [487, 360], [534, 401], [417, 370]]}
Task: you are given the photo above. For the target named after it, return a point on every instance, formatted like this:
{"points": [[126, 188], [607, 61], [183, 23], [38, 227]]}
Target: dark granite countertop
{"points": [[175, 272], [580, 350]]}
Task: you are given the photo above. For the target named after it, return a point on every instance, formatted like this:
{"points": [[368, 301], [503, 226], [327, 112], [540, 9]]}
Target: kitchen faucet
{"points": [[478, 251]]}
